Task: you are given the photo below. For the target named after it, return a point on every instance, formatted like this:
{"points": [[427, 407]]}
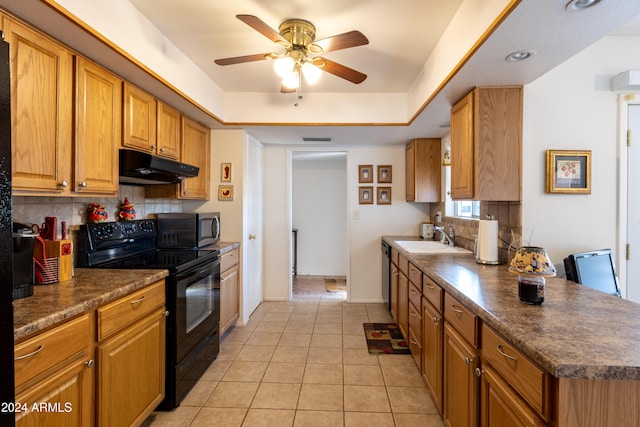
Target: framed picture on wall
{"points": [[384, 196], [365, 195], [225, 193], [365, 173], [384, 174], [225, 172], [568, 172]]}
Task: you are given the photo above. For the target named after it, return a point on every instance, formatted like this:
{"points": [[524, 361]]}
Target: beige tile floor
{"points": [[305, 363]]}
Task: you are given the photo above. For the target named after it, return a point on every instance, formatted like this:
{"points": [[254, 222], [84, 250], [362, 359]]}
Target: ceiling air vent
{"points": [[315, 139]]}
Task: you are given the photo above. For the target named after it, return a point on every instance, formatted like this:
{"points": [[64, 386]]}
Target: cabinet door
{"points": [[131, 372], [140, 112], [501, 406], [403, 305], [98, 110], [229, 298], [432, 351], [64, 399], [196, 152], [395, 274], [41, 111], [168, 131], [462, 146], [410, 170], [460, 381]]}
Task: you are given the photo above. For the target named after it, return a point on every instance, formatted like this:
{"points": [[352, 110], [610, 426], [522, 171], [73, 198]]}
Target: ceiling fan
{"points": [[297, 37]]}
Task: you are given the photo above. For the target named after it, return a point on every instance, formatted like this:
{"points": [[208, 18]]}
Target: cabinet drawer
{"points": [[229, 259], [465, 322], [415, 296], [54, 349], [524, 375], [415, 322], [415, 275], [403, 265], [432, 291], [118, 314]]}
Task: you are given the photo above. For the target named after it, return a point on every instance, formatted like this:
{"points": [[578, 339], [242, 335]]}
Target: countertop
{"points": [[577, 332], [88, 289]]}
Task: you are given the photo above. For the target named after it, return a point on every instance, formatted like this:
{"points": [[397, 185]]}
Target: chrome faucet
{"points": [[449, 237]]}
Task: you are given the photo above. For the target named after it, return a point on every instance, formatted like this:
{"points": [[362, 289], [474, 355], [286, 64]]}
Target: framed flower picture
{"points": [[384, 196], [384, 174], [365, 195], [568, 172]]}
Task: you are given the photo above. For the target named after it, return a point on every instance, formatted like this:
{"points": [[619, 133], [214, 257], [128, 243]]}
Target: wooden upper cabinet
{"points": [[140, 112], [168, 131], [150, 125], [423, 170], [486, 145], [98, 113], [41, 111], [196, 152]]}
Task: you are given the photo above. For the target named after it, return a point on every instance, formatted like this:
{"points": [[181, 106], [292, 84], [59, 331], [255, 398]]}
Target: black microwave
{"points": [[188, 230]]}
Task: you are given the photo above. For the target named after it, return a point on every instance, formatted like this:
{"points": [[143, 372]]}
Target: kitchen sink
{"points": [[430, 247]]}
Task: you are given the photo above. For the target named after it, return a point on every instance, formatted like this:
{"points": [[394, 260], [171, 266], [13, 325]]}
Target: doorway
{"points": [[630, 228], [319, 237]]}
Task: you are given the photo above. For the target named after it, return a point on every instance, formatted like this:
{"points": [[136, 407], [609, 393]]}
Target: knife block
{"points": [[62, 250]]}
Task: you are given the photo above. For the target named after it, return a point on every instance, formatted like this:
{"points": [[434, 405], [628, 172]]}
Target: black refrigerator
{"points": [[7, 385]]}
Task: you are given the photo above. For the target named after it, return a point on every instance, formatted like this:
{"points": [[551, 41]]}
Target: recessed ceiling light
{"points": [[316, 139], [575, 5], [520, 55]]}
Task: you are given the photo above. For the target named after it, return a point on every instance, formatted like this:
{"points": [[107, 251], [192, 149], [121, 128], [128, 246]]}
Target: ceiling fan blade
{"points": [[342, 71], [284, 89], [341, 41], [241, 59], [259, 25]]}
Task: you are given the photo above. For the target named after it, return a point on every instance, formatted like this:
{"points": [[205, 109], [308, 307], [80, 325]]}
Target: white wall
{"points": [[572, 107], [399, 218], [319, 204]]}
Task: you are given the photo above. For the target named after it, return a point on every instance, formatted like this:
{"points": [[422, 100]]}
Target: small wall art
{"points": [[365, 173], [568, 172], [225, 192], [384, 174], [384, 196], [225, 172], [365, 195]]}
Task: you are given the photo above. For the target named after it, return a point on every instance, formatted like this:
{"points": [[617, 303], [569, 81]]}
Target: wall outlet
{"points": [[438, 216]]}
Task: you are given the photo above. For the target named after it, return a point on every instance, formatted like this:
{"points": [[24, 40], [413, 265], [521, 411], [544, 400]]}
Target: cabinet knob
{"points": [[436, 320], [478, 372], [162, 150], [153, 147], [83, 184], [63, 184], [166, 313], [89, 363], [467, 360]]}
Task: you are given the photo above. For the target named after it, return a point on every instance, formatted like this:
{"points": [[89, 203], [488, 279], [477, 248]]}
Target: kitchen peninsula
{"points": [[572, 361]]}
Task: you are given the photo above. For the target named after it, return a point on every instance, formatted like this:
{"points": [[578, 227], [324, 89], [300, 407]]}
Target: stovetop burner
{"points": [[132, 244]]}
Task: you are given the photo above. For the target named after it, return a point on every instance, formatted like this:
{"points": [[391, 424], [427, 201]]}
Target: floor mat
{"points": [[385, 338]]}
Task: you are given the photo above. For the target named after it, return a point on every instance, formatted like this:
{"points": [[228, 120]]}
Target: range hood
{"points": [[140, 168]]}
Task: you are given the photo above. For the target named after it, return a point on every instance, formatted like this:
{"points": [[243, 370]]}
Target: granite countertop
{"points": [[577, 332], [225, 247], [88, 289]]}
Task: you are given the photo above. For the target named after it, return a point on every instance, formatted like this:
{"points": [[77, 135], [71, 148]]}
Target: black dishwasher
{"points": [[386, 274]]}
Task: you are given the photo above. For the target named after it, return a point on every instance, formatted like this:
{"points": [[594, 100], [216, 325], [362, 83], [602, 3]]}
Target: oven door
{"points": [[197, 305]]}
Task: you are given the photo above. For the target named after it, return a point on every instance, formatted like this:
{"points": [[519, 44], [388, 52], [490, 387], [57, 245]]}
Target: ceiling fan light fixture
{"points": [[576, 5], [311, 72], [291, 80], [283, 66]]}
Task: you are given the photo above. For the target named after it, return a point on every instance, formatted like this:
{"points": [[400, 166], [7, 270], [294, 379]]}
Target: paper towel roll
{"points": [[487, 246]]}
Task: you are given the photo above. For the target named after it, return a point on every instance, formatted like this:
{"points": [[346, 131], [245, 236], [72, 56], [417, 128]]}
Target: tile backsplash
{"points": [[73, 210]]}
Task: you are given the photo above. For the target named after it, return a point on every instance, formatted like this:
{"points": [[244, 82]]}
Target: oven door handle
{"points": [[198, 274]]}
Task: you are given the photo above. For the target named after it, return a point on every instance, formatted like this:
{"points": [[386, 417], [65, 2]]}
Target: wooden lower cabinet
{"points": [[403, 305], [54, 374], [229, 290], [461, 384], [131, 372], [501, 406], [393, 297], [432, 351]]}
